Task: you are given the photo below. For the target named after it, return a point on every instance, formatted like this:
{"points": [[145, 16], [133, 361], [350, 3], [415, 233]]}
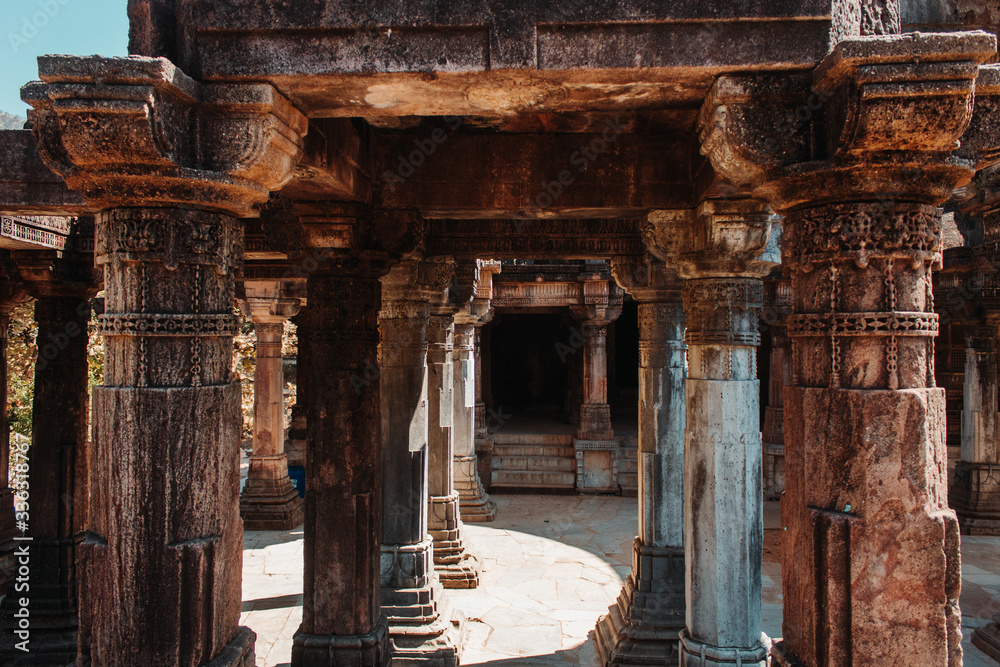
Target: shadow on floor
{"points": [[257, 539], [276, 602]]}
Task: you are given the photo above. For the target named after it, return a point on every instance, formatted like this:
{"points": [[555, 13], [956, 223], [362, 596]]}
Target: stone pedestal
{"points": [[423, 627], [642, 628], [975, 492], [269, 500], [342, 617], [456, 568]]}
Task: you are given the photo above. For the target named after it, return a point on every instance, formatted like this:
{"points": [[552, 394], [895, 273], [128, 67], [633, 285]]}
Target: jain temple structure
{"points": [[599, 214]]}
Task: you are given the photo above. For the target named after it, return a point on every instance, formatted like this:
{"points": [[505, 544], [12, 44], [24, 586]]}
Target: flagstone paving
{"points": [[552, 565]]}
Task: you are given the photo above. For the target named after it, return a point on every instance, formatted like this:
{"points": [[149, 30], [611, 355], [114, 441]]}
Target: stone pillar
{"points": [[777, 296], [643, 626], [595, 444], [269, 500], [295, 445], [484, 439], [870, 551], [975, 494], [10, 295], [57, 466], [342, 617], [422, 624], [456, 568], [162, 558], [475, 503], [722, 249]]}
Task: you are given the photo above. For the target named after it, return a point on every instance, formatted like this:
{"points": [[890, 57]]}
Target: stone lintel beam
{"points": [[859, 178], [27, 185], [119, 131], [581, 238]]}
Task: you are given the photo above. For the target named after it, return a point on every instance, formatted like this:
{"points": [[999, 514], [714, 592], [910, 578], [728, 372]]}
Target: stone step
{"points": [[533, 463], [532, 439], [543, 480], [556, 451]]}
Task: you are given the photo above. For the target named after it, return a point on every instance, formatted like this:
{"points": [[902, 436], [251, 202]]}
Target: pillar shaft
{"points": [[595, 413], [484, 439], [422, 624], [342, 619], [475, 504], [774, 414], [57, 468], [643, 626], [722, 474], [456, 568], [164, 470], [269, 500]]}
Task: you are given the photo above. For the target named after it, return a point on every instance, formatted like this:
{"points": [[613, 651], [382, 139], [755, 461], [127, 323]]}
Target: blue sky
{"points": [[30, 28]]}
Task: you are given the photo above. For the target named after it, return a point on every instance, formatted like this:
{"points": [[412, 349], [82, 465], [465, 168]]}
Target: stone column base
{"points": [[271, 504], [455, 567], [476, 505], [987, 640], [643, 627], [370, 650], [975, 497], [696, 654], [438, 643], [239, 652], [596, 466], [484, 461], [780, 657]]}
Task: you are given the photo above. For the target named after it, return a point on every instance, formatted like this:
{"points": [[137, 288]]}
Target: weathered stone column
{"points": [[777, 304], [295, 445], [10, 295], [342, 617], [162, 558], [642, 627], [57, 463], [975, 494], [269, 500], [595, 444], [475, 503], [456, 567], [423, 626], [723, 249], [870, 552]]}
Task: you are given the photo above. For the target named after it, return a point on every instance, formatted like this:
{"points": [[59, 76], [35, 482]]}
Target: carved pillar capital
{"points": [[120, 131]]}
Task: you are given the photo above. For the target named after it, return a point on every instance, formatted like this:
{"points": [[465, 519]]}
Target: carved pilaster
{"points": [[859, 188], [777, 307]]}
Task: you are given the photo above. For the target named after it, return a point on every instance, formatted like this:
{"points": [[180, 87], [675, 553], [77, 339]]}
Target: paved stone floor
{"points": [[551, 566]]}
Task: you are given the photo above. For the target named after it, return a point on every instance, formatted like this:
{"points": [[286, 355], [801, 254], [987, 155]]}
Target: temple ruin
{"points": [[704, 253]]}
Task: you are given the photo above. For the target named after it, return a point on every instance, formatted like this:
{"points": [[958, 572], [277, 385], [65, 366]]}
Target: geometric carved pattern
{"points": [[861, 231], [153, 324], [863, 324]]}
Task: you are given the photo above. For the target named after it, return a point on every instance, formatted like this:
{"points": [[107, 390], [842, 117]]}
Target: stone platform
{"points": [[552, 565]]}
